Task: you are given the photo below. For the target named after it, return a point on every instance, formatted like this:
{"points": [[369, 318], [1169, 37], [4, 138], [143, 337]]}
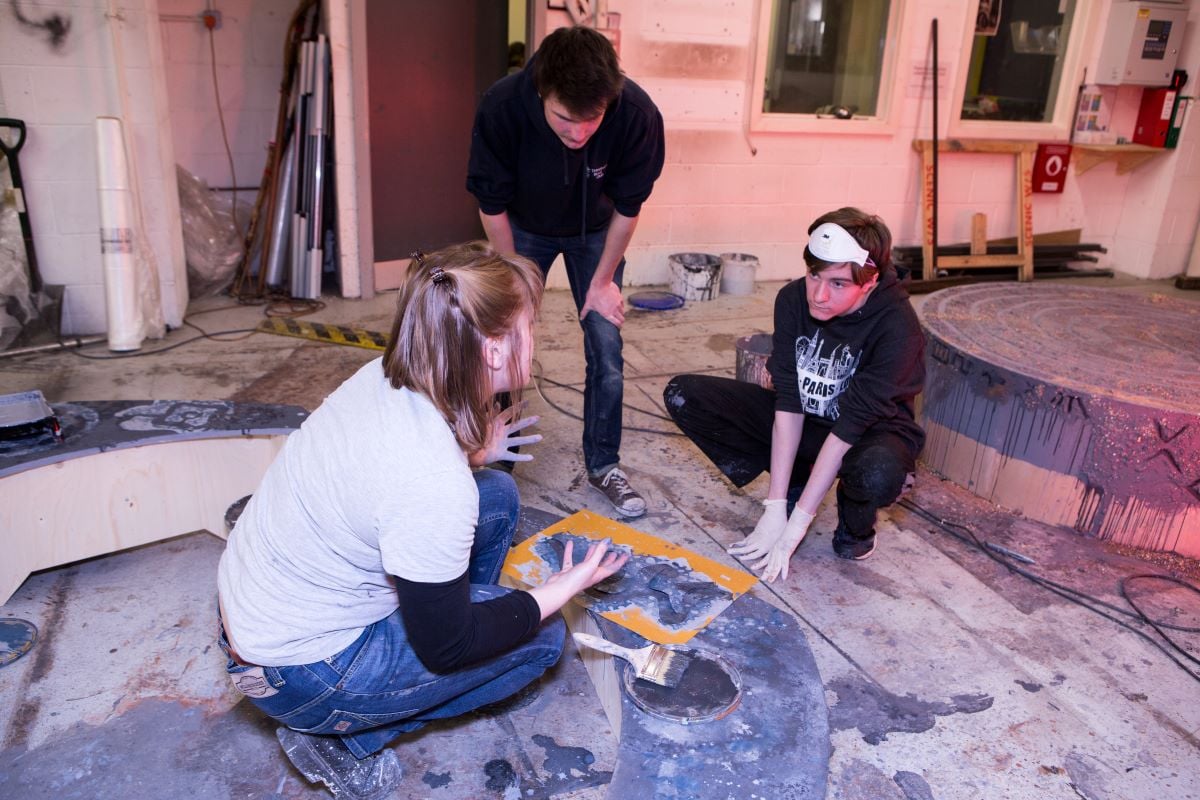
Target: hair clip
{"points": [[418, 256], [438, 275]]}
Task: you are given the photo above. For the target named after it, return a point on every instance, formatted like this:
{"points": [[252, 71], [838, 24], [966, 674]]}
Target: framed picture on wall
{"points": [[987, 21]]}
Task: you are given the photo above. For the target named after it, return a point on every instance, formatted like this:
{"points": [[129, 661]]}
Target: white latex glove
{"points": [[503, 438], [775, 563], [770, 526]]}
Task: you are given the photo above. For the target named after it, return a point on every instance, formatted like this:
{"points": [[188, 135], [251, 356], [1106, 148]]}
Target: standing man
{"points": [[563, 154]]}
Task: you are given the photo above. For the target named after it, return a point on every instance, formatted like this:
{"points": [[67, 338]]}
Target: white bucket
{"points": [[695, 276], [738, 271], [752, 354]]}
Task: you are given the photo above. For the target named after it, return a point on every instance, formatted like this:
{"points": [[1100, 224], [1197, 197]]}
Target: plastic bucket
{"points": [[752, 354], [695, 276], [738, 271]]}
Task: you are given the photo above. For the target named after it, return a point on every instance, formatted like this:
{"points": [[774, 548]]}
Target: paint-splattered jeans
{"points": [[604, 383], [731, 422], [377, 688]]}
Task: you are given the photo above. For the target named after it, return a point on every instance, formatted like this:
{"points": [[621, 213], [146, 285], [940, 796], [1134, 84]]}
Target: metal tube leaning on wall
{"points": [[281, 216]]}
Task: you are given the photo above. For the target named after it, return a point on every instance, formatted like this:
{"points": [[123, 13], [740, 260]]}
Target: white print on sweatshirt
{"points": [[822, 380]]}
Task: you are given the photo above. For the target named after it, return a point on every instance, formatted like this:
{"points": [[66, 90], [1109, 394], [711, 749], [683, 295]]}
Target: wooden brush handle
{"points": [[634, 657]]}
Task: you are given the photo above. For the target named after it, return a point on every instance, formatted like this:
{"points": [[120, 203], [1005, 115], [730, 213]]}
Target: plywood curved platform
{"points": [[1073, 406], [130, 473]]}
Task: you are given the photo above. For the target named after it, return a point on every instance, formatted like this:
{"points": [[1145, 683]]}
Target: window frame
{"points": [[1058, 128], [884, 122]]}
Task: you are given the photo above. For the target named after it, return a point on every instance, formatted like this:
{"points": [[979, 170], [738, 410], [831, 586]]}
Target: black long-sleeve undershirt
{"points": [[447, 631]]}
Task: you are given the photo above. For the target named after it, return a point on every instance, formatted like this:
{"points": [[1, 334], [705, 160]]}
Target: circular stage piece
{"points": [[1071, 405]]}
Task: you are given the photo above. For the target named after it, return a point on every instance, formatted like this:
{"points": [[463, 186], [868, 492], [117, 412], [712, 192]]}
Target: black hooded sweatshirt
{"points": [[854, 372], [519, 165]]}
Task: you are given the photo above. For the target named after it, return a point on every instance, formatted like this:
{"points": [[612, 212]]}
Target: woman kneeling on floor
{"points": [[357, 590]]}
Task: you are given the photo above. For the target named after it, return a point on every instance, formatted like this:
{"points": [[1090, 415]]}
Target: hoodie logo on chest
{"points": [[597, 173], [822, 377]]}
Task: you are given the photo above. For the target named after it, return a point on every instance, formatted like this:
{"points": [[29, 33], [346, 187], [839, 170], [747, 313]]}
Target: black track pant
{"points": [[731, 421]]}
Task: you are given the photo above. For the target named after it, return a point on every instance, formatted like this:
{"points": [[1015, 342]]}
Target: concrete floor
{"points": [[947, 675]]}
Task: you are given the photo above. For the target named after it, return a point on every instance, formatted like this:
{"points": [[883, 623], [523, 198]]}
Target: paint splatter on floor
{"points": [[876, 712]]}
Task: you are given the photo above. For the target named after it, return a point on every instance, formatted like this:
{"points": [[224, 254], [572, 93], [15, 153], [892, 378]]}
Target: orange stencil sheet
{"points": [[664, 593]]}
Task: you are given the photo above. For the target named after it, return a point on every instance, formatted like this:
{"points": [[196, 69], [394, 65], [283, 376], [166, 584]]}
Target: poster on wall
{"points": [[987, 21]]}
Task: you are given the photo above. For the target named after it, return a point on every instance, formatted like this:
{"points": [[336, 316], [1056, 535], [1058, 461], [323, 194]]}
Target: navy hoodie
{"points": [[857, 371], [519, 165]]}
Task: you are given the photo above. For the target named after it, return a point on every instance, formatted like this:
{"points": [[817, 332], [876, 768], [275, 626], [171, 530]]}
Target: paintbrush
{"points": [[653, 663]]}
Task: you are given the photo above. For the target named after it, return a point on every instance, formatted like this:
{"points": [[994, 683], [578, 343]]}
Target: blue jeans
{"points": [[377, 688], [604, 384]]}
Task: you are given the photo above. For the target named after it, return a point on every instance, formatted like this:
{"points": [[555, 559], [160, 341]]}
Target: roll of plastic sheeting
{"points": [[117, 231]]}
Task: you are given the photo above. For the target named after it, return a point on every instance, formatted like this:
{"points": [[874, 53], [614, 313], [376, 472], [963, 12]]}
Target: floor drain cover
{"points": [[16, 639]]}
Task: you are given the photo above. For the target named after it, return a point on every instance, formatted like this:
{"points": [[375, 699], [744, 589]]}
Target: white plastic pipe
{"points": [[117, 229]]}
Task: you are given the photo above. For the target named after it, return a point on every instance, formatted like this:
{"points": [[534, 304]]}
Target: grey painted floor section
{"points": [[946, 674]]}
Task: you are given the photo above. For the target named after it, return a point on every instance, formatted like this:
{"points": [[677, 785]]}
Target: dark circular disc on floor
{"points": [[709, 688]]}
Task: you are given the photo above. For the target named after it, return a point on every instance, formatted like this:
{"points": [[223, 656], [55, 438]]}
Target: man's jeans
{"points": [[377, 688], [731, 422], [603, 389]]}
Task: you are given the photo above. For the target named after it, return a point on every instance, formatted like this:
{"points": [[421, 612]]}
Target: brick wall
{"points": [[695, 59], [59, 92]]}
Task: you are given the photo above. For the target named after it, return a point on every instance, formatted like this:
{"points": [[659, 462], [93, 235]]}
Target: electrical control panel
{"points": [[1141, 43]]}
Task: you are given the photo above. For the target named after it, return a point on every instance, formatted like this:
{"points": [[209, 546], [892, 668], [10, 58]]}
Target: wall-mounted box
{"points": [[1141, 43], [1155, 116]]}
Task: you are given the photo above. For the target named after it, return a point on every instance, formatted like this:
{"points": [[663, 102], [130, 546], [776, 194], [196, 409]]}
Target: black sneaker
{"points": [[614, 485], [854, 549], [326, 759]]}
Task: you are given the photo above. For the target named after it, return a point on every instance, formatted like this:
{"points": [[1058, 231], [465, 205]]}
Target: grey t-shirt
{"points": [[373, 484]]}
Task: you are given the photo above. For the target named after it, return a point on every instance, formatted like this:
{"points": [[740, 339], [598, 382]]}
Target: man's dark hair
{"points": [[579, 67]]}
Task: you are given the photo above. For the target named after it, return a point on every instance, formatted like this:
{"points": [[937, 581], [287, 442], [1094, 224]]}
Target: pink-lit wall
{"points": [[695, 57], [59, 92], [249, 65]]}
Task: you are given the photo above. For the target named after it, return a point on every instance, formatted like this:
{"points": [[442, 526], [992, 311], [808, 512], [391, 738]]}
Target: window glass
{"points": [[1017, 60], [826, 57]]}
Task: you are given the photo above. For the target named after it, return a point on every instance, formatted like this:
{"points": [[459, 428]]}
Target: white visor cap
{"points": [[831, 242]]}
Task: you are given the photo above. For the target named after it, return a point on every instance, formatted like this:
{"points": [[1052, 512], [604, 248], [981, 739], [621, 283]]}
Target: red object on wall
{"points": [[1050, 168], [1154, 117]]}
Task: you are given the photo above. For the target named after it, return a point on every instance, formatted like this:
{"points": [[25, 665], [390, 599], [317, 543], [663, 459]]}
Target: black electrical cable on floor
{"points": [[539, 377], [1082, 599], [1158, 626], [142, 353]]}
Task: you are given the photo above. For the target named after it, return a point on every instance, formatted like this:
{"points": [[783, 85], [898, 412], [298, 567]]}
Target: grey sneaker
{"points": [[326, 759], [615, 486]]}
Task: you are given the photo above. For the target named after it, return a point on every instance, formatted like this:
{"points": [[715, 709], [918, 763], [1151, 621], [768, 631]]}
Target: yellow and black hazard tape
{"points": [[320, 332]]}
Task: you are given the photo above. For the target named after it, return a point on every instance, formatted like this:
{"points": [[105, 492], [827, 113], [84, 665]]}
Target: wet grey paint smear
{"points": [[705, 690], [672, 595], [877, 712]]}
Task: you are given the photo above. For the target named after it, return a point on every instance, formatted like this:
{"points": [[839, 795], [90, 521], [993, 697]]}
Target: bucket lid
{"points": [[656, 301]]}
